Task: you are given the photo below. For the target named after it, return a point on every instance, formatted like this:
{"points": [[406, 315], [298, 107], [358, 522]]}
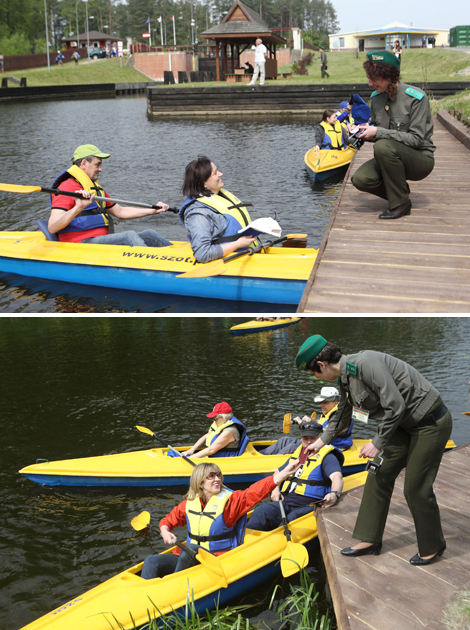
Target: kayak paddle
{"points": [[54, 191], [295, 556], [210, 562], [149, 432], [218, 267]]}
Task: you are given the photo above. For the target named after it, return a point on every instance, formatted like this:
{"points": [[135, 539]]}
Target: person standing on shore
{"points": [[260, 63], [413, 428], [323, 64]]}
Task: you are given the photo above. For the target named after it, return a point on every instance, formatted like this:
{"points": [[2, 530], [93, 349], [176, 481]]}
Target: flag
{"points": [[160, 19], [172, 17], [148, 21]]}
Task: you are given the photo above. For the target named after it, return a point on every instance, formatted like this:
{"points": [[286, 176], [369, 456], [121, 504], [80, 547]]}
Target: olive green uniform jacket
{"points": [[410, 117], [393, 392]]}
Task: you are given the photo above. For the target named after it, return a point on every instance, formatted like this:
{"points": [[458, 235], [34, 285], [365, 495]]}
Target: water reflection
{"points": [[261, 158]]}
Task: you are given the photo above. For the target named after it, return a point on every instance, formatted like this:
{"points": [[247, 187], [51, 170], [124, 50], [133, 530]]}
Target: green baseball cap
{"points": [[84, 150], [383, 56], [309, 350]]}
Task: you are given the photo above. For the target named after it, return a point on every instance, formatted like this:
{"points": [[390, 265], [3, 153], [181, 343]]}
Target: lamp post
{"points": [[78, 32], [87, 33], [47, 38]]}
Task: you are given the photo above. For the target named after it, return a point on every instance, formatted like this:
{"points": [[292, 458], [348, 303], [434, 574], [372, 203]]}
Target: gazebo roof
{"points": [[242, 23], [92, 35]]}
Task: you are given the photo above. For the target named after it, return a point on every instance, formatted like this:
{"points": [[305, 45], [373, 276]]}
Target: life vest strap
{"points": [[238, 205], [208, 514], [213, 538], [308, 482]]}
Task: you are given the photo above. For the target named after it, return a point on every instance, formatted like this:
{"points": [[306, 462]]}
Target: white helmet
{"points": [[327, 394]]}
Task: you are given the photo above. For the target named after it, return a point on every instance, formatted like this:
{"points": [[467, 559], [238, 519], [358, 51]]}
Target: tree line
{"points": [[23, 22]]}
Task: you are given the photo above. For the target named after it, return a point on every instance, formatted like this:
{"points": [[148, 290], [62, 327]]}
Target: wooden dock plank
{"points": [[419, 263], [386, 592]]}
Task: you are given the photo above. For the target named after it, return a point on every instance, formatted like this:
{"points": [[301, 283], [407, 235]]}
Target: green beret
{"points": [[383, 56], [309, 350]]}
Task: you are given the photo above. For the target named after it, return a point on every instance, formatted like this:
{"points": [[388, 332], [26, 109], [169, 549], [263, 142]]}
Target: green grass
{"points": [[459, 102], [97, 71], [457, 612]]}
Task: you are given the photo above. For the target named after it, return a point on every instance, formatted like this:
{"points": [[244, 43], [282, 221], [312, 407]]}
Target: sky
{"points": [[371, 14]]}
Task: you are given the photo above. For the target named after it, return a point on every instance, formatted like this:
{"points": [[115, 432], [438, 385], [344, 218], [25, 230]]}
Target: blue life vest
{"points": [[310, 481], [207, 528], [95, 215], [343, 442], [228, 451]]}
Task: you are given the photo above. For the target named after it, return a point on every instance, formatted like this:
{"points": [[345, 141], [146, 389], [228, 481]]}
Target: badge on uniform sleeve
{"points": [[360, 415], [387, 108], [351, 368]]}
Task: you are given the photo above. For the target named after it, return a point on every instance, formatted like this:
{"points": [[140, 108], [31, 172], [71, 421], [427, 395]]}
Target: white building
{"points": [[384, 37]]}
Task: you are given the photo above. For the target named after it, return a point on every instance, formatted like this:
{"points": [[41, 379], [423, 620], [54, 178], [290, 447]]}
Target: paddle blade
{"points": [[287, 423], [314, 415], [19, 189], [294, 558], [466, 413], [141, 521], [215, 268], [213, 565], [144, 430]]}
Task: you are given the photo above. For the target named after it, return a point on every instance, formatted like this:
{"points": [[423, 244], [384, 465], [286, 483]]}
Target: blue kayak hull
{"points": [[224, 287], [321, 177]]}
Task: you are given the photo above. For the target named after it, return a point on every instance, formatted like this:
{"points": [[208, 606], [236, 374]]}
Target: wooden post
{"points": [[217, 59], [225, 57], [232, 55]]}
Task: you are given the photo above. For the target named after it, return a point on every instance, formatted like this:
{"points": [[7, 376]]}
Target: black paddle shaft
{"points": [[174, 450], [189, 551], [253, 250], [67, 193], [284, 520]]}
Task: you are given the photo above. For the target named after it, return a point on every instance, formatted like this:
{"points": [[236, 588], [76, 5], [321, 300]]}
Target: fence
{"points": [[37, 60]]}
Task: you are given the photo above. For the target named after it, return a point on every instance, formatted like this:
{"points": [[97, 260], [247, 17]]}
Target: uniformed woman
{"points": [[401, 130], [414, 426], [215, 517]]}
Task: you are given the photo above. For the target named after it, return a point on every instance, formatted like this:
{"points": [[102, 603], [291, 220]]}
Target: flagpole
{"points": [[150, 38], [161, 29], [174, 31]]}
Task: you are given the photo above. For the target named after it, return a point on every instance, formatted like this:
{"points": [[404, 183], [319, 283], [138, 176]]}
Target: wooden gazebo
{"points": [[239, 29]]}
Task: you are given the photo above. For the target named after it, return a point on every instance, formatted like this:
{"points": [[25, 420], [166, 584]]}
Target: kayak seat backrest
{"points": [[42, 225]]}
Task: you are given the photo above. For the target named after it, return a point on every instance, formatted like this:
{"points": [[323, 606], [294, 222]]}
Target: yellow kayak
{"points": [[128, 599], [276, 275], [154, 468], [325, 163], [254, 326]]}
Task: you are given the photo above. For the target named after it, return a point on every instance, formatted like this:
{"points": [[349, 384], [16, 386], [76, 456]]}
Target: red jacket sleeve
{"points": [[242, 501], [176, 518]]}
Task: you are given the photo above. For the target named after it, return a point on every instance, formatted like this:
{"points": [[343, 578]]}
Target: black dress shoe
{"points": [[401, 211], [418, 561], [374, 549]]}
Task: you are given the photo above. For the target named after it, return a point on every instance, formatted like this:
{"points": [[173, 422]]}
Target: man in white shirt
{"points": [[260, 60]]}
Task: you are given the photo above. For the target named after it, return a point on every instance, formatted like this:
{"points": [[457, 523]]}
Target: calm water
{"points": [[261, 158], [76, 387]]}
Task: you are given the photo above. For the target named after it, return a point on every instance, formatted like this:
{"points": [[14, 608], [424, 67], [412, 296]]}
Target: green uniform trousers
{"points": [[386, 174], [420, 449]]}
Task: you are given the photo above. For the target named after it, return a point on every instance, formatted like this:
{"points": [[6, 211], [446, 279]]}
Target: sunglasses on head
{"points": [[308, 426], [213, 475]]}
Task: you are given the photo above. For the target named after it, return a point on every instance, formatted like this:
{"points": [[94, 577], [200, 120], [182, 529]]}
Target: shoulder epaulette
{"points": [[351, 368], [414, 93]]}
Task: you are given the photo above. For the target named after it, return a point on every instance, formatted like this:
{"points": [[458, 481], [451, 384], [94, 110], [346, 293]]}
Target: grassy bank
{"points": [[97, 71], [459, 102], [417, 65]]}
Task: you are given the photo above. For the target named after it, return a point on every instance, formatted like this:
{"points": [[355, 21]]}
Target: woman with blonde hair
{"points": [[214, 514]]}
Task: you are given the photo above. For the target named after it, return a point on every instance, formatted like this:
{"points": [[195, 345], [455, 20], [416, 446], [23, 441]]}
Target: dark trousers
{"points": [[386, 174], [162, 564], [267, 516], [420, 450]]}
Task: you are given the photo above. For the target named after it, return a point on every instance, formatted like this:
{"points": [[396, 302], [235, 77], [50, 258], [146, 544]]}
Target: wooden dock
{"points": [[416, 264], [386, 592]]}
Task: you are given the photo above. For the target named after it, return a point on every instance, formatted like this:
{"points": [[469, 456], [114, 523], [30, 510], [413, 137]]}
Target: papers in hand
{"points": [[265, 225]]}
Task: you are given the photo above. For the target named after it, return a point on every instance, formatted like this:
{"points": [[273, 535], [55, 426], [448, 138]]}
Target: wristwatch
{"points": [[338, 494]]}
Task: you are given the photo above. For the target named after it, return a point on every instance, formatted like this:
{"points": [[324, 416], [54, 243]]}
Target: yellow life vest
{"points": [[325, 417], [310, 482], [93, 187], [333, 136], [215, 431], [207, 528], [223, 202]]}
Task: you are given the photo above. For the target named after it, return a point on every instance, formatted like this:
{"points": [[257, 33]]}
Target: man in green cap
{"points": [[401, 130], [89, 221], [413, 428]]}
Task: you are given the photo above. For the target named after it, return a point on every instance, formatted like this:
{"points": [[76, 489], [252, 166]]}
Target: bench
{"points": [[21, 82]]}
